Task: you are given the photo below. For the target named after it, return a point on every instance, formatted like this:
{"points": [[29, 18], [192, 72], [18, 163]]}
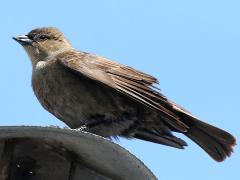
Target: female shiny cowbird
{"points": [[109, 99]]}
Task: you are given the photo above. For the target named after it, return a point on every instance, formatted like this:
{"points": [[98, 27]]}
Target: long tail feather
{"points": [[216, 142]]}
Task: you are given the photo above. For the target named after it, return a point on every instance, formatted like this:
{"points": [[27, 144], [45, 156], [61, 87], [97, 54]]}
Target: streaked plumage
{"points": [[111, 99]]}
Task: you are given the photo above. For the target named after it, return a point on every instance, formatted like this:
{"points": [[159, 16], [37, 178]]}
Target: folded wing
{"points": [[130, 82]]}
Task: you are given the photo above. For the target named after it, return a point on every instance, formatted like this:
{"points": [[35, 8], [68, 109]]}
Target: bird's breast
{"points": [[74, 98]]}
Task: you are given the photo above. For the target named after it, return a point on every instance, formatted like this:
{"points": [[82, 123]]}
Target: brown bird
{"points": [[109, 99]]}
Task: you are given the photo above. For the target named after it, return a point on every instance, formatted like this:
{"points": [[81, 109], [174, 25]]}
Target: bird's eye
{"points": [[43, 37]]}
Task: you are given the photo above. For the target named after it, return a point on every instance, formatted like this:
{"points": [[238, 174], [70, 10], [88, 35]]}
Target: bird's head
{"points": [[43, 42]]}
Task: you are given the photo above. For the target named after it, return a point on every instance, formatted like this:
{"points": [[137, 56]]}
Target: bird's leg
{"points": [[93, 122], [82, 128]]}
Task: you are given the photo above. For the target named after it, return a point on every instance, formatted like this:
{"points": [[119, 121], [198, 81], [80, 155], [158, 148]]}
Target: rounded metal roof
{"points": [[55, 153]]}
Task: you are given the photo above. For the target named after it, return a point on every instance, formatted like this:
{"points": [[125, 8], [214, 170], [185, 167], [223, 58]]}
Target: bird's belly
{"points": [[75, 99]]}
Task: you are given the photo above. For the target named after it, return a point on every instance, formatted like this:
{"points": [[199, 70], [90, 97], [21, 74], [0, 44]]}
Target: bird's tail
{"points": [[216, 142]]}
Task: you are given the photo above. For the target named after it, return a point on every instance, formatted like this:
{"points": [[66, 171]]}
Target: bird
{"points": [[112, 100]]}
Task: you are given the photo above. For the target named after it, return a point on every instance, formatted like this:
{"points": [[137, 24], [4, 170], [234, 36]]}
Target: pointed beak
{"points": [[23, 40]]}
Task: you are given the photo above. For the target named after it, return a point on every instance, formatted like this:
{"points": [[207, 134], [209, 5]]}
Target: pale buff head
{"points": [[43, 42]]}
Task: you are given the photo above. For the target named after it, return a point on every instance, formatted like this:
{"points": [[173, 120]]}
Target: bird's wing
{"points": [[130, 82]]}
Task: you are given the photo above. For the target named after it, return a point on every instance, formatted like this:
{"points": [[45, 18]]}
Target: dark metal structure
{"points": [[47, 153]]}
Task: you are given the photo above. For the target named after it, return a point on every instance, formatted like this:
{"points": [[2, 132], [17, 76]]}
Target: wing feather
{"points": [[128, 81]]}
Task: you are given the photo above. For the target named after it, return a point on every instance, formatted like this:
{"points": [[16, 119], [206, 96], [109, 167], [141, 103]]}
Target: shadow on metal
{"points": [[47, 153]]}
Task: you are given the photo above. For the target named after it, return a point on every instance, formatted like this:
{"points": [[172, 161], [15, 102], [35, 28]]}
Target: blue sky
{"points": [[192, 47]]}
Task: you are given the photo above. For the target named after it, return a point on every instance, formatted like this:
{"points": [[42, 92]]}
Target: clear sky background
{"points": [[192, 47]]}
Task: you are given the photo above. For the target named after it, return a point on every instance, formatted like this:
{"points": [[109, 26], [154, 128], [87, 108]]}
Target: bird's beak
{"points": [[23, 40]]}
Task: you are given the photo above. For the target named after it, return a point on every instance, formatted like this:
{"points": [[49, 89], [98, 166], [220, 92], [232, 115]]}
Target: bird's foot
{"points": [[82, 128]]}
